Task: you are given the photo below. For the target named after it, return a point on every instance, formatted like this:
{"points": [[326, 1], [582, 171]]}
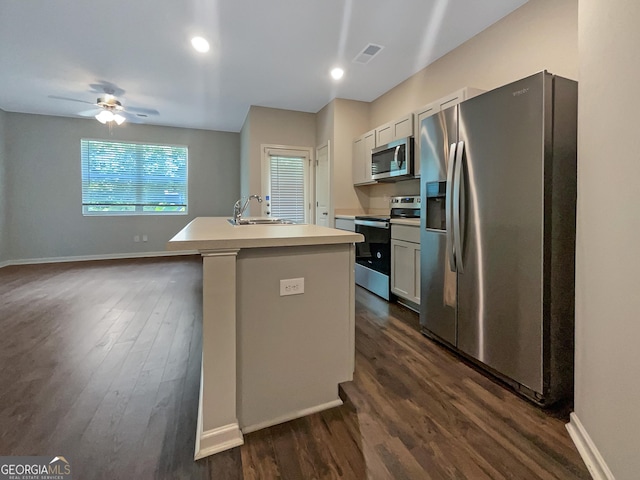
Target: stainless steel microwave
{"points": [[393, 161]]}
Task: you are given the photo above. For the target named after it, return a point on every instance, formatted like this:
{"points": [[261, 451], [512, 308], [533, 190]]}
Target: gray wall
{"points": [[607, 391], [44, 186], [276, 127], [4, 256], [245, 157]]}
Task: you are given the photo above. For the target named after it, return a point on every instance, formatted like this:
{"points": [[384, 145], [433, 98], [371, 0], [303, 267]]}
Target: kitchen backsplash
{"points": [[380, 193]]}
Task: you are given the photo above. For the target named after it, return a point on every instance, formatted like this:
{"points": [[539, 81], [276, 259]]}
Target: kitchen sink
{"points": [[262, 221]]}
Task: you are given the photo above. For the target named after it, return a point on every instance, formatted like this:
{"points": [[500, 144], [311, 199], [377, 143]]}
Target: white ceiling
{"points": [[273, 53]]}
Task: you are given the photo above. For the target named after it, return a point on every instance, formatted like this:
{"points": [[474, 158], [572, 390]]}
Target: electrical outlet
{"points": [[144, 238], [136, 238], [291, 286]]}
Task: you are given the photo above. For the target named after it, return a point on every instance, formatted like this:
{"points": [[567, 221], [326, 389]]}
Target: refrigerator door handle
{"points": [[449, 207], [457, 226]]}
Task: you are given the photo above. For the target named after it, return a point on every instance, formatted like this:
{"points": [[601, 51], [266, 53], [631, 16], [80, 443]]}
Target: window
{"points": [[286, 177], [133, 178]]}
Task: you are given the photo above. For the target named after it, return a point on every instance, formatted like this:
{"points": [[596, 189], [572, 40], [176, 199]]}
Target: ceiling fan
{"points": [[108, 108]]}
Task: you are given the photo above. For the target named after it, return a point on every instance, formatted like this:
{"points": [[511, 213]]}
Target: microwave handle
{"points": [[395, 157]]}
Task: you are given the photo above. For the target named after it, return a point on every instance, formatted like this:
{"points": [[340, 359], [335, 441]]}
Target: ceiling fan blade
{"points": [[102, 86], [131, 118], [55, 97], [90, 113], [144, 111]]}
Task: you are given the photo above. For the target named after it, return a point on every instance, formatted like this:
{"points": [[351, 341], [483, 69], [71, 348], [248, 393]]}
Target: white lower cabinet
{"points": [[405, 262]]}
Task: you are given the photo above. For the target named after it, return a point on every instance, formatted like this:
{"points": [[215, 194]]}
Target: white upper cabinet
{"points": [[361, 160], [394, 130], [433, 108], [405, 126]]}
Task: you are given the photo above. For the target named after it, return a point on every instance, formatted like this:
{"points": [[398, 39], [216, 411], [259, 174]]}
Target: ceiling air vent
{"points": [[368, 53]]}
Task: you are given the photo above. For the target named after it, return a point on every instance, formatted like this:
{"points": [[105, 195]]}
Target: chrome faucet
{"points": [[239, 207]]}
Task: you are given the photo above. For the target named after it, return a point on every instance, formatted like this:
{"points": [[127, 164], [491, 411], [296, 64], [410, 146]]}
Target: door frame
{"points": [[266, 149], [331, 220]]}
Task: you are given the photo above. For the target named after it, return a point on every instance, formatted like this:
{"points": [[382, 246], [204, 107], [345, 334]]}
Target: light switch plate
{"points": [[291, 286]]}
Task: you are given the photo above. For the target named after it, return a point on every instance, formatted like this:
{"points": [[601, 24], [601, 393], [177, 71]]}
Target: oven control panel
{"points": [[405, 202], [405, 207]]}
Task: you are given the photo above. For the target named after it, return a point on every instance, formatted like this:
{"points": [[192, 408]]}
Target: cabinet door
{"points": [[384, 134], [369, 144], [403, 127], [451, 100], [405, 270], [458, 96], [357, 167], [401, 268], [395, 130], [361, 158], [418, 135]]}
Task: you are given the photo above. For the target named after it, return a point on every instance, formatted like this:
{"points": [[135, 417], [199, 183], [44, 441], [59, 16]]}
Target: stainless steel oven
{"points": [[373, 256]]}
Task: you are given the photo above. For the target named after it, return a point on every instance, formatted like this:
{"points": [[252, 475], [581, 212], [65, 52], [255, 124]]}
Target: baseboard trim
{"points": [[218, 440], [588, 450], [215, 440], [86, 258], [292, 416]]}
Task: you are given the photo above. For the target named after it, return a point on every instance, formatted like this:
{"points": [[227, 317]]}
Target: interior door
{"points": [[323, 187]]}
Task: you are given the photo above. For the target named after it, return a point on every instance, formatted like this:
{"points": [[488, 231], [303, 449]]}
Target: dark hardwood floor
{"points": [[100, 362]]}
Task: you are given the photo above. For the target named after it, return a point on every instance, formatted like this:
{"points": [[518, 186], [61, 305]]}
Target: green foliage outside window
{"points": [[133, 178]]}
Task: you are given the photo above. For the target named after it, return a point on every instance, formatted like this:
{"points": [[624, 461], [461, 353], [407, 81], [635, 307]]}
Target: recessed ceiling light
{"points": [[200, 44], [337, 73]]}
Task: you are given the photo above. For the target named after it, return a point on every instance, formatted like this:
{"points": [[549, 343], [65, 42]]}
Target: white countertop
{"points": [[213, 233]]}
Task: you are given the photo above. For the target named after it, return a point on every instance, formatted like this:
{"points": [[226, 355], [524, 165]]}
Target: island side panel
{"points": [[218, 427], [351, 343], [294, 350]]}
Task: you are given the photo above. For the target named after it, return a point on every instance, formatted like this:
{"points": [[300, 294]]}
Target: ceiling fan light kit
{"points": [[108, 116], [111, 108]]}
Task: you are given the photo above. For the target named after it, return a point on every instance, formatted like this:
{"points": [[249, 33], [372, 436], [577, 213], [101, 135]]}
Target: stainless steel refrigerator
{"points": [[498, 186]]}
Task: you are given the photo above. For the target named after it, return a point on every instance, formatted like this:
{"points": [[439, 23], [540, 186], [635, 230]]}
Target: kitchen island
{"points": [[277, 324]]}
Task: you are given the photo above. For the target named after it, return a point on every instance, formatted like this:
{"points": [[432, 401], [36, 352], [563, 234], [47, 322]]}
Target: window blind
{"points": [[133, 178], [287, 180]]}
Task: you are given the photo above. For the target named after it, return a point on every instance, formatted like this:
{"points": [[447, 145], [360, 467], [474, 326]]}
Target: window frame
{"points": [[84, 166]]}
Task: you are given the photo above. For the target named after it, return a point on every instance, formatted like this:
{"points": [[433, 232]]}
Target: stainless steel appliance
{"points": [[393, 161], [373, 256], [498, 186], [405, 207]]}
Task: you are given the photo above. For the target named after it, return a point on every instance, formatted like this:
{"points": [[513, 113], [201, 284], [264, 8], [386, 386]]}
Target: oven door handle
{"points": [[372, 223]]}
